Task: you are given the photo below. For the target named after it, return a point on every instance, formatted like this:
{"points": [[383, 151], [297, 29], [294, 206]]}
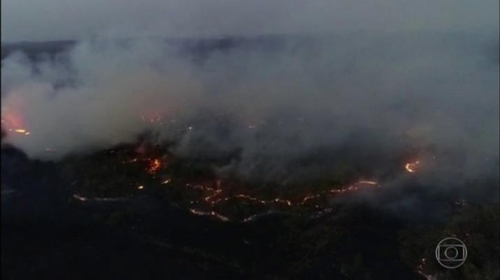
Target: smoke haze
{"points": [[59, 19], [261, 139], [364, 85], [309, 101]]}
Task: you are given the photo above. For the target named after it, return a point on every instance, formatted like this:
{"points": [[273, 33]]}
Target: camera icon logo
{"points": [[451, 253]]}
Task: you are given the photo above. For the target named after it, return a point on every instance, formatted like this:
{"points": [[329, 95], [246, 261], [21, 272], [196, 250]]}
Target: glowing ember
{"points": [[166, 182], [154, 166], [17, 130], [13, 122], [215, 195], [98, 199], [211, 213], [140, 187], [368, 182], [412, 166], [21, 131]]}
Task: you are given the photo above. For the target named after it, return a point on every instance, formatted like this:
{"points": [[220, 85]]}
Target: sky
{"points": [[25, 20]]}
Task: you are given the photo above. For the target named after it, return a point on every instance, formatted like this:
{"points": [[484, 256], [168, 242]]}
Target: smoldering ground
{"points": [[306, 108]]}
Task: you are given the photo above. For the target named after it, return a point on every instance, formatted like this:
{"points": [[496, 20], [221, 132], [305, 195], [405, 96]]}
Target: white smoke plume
{"points": [[368, 96]]}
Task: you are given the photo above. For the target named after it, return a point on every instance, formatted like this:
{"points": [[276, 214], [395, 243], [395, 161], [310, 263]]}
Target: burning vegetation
{"points": [[346, 179], [13, 123], [119, 172], [149, 168], [118, 176]]}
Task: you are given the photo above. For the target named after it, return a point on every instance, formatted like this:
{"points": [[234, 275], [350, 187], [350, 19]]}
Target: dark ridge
{"points": [[202, 47], [34, 49]]}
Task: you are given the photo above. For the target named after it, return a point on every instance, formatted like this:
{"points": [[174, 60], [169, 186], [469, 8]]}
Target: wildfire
{"points": [[211, 213], [98, 199], [22, 131], [412, 166], [16, 130], [210, 195], [13, 122], [154, 166], [214, 195]]}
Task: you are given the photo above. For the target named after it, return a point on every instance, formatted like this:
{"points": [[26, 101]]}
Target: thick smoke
{"points": [[299, 108]]}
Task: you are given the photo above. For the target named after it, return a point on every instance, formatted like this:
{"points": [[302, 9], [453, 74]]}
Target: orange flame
{"points": [[154, 166], [215, 195]]}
